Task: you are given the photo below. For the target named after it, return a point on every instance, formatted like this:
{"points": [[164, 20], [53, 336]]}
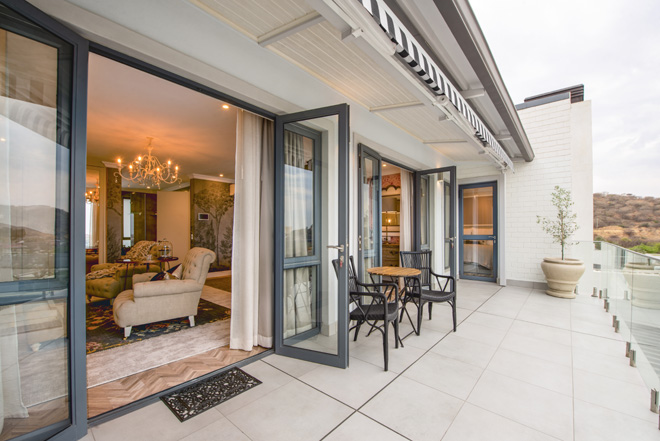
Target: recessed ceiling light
{"points": [[384, 165], [225, 106], [222, 175]]}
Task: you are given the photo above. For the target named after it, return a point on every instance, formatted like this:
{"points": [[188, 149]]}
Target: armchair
{"points": [[150, 302]]}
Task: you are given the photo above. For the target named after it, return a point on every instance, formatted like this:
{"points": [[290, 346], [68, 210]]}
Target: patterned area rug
{"points": [[198, 398], [103, 333], [223, 283]]}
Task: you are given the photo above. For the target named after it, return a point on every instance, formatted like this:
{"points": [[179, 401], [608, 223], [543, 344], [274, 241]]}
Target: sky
{"points": [[610, 46]]}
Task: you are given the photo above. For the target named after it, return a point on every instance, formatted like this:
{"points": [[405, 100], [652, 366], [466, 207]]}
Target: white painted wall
{"points": [[173, 220], [560, 134]]}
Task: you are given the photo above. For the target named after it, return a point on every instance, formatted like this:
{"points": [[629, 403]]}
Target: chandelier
{"points": [[147, 170], [93, 196]]}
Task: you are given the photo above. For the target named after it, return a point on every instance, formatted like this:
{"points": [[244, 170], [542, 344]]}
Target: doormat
{"points": [[198, 398], [103, 333]]}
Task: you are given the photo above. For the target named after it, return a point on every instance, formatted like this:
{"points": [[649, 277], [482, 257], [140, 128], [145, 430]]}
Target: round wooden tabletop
{"points": [[394, 271]]}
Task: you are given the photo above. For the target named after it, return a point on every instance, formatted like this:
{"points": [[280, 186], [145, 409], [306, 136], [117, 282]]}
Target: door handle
{"points": [[340, 248]]}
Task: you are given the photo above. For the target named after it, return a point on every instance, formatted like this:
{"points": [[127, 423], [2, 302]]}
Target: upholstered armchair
{"points": [[106, 280], [155, 301]]}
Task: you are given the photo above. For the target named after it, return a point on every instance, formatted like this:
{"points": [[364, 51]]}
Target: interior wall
{"points": [[173, 220], [213, 199], [113, 215]]}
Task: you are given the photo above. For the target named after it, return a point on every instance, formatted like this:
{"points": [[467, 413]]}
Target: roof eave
{"points": [[465, 27]]}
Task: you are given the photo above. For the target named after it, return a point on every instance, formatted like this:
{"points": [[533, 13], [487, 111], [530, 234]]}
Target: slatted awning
{"points": [[416, 57]]}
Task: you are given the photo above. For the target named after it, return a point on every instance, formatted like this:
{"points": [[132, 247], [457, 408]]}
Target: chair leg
{"points": [[385, 344], [396, 334], [191, 319], [430, 308], [453, 313], [357, 330], [127, 332], [420, 311]]}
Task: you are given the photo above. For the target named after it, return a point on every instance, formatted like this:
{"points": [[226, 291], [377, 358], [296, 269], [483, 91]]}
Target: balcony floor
{"points": [[521, 366]]}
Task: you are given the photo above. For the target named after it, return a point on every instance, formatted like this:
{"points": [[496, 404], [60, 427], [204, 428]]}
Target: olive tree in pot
{"points": [[562, 274]]}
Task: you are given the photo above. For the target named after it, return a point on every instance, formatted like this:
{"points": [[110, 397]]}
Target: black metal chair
{"points": [[420, 291], [369, 303]]}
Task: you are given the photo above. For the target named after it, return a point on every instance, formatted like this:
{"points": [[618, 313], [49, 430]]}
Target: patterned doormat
{"points": [[198, 398], [103, 333]]}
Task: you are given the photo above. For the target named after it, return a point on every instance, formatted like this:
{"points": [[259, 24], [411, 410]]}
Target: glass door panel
{"points": [[435, 213], [478, 231], [369, 238], [37, 143], [312, 231]]}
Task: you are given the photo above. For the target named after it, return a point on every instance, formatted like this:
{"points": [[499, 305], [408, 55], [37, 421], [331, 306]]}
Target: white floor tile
{"points": [[544, 317], [598, 344], [399, 359], [291, 366], [533, 370], [594, 422], [221, 429], [360, 428], [465, 350], [613, 366], [162, 425], [613, 394], [270, 377], [490, 320], [476, 424], [542, 332], [445, 374], [352, 386], [483, 334], [414, 410], [294, 411], [541, 409], [544, 349]]}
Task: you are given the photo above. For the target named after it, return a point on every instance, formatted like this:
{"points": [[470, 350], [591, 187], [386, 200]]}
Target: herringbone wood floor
{"points": [[41, 415], [109, 396]]}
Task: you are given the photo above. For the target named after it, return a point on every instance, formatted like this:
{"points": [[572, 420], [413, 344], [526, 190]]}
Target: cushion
{"points": [[176, 271], [164, 276]]}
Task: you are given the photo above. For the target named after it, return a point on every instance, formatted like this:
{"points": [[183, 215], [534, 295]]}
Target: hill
{"points": [[626, 220]]}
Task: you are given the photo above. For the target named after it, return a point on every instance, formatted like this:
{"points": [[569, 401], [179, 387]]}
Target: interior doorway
{"points": [[161, 196], [478, 231]]}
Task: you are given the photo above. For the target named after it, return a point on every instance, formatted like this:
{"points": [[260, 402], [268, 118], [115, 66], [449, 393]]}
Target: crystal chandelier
{"points": [[147, 170], [93, 196]]}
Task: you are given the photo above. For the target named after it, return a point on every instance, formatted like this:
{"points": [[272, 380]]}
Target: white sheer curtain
{"points": [[252, 249], [298, 221], [406, 215]]}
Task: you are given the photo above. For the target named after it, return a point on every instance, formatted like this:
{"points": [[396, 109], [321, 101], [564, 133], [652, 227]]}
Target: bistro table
{"points": [[402, 273]]}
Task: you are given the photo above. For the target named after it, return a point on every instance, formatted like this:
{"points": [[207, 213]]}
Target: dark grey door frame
{"points": [[417, 209], [492, 237], [364, 151], [341, 359], [77, 90]]}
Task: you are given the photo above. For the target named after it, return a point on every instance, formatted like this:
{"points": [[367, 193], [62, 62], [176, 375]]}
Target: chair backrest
{"points": [[196, 264], [420, 260], [352, 274]]}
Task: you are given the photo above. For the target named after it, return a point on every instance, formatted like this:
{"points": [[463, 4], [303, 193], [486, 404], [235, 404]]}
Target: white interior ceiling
{"points": [[318, 48], [126, 105]]}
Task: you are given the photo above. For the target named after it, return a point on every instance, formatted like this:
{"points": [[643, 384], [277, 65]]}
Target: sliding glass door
{"points": [[478, 229], [311, 199], [43, 73], [435, 213]]}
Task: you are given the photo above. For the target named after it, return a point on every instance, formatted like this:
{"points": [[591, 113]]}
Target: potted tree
{"points": [[562, 274]]}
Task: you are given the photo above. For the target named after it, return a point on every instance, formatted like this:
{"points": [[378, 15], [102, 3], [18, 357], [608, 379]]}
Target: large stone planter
{"points": [[644, 283], [562, 276]]}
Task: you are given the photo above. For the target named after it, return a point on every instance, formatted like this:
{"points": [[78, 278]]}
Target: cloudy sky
{"points": [[610, 46]]}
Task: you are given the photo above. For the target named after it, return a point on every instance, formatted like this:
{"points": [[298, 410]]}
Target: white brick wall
{"points": [[560, 134]]}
